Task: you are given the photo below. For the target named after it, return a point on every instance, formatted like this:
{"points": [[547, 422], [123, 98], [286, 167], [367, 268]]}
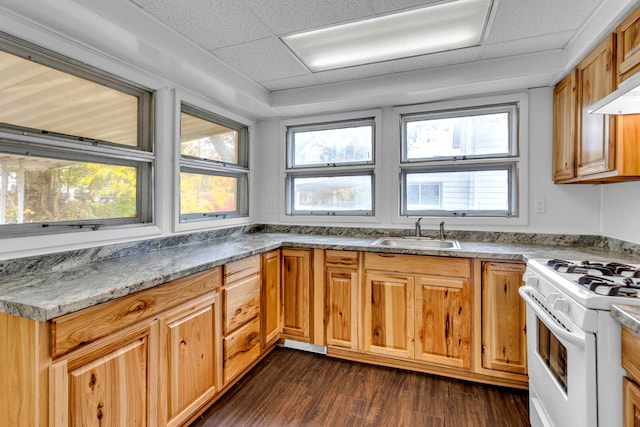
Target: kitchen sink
{"points": [[417, 243]]}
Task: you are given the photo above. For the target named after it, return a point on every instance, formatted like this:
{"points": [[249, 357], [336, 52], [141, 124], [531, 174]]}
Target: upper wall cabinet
{"points": [[628, 37], [595, 148]]}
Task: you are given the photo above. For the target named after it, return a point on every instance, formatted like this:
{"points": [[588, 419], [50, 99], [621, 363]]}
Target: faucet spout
{"points": [[442, 231], [418, 227]]}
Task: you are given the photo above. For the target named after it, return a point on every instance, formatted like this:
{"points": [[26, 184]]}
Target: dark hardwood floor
{"points": [[294, 388]]}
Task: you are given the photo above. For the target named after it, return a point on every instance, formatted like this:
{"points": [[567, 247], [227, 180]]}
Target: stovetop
{"points": [[593, 284]]}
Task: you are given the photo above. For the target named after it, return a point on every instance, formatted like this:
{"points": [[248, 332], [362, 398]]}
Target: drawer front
{"points": [[342, 259], [241, 302], [72, 330], [236, 270], [241, 348], [418, 264]]}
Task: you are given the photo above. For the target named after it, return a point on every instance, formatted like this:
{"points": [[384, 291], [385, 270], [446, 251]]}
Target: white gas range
{"points": [[573, 343]]}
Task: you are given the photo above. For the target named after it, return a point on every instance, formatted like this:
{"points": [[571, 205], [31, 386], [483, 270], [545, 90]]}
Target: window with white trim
{"points": [[75, 145], [330, 168], [214, 166], [460, 162]]}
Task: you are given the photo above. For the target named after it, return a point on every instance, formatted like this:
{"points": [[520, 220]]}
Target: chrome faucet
{"points": [[442, 231], [418, 228]]}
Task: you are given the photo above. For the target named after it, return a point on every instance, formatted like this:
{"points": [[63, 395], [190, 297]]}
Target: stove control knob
{"points": [[552, 298], [532, 281], [561, 304]]}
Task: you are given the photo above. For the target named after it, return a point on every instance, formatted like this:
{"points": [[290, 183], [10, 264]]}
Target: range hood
{"points": [[624, 100]]}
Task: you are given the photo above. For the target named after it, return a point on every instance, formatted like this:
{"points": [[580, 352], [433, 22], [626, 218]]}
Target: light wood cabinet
{"points": [[630, 388], [190, 362], [241, 315], [504, 342], [296, 291], [341, 299], [565, 100], [271, 298], [596, 140], [628, 38], [443, 321], [418, 308], [108, 383], [606, 148], [389, 314]]}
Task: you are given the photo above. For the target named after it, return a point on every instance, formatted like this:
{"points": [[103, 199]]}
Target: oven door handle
{"points": [[576, 337]]}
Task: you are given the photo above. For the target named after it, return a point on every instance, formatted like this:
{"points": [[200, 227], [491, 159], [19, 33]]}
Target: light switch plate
{"points": [[540, 206]]}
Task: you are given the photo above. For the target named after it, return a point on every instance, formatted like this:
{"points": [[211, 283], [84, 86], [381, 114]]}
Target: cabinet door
{"points": [[389, 315], [109, 384], [190, 358], [271, 302], [631, 403], [628, 40], [504, 343], [564, 128], [596, 79], [341, 310], [296, 289], [443, 321]]}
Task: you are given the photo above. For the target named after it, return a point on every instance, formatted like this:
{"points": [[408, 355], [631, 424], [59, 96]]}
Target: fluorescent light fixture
{"points": [[624, 100], [436, 28]]}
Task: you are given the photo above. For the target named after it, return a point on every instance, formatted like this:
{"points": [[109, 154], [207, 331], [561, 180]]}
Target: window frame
{"points": [[196, 165], [332, 169], [19, 140], [510, 161]]}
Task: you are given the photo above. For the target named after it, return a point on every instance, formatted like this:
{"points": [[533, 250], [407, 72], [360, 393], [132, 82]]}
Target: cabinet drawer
{"points": [[342, 259], [74, 329], [236, 270], [418, 264], [241, 348], [631, 353], [241, 302]]}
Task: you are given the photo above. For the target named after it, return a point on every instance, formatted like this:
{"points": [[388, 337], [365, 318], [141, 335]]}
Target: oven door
{"points": [[562, 366]]}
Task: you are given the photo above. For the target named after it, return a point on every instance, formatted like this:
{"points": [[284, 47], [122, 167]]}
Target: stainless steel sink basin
{"points": [[417, 243]]}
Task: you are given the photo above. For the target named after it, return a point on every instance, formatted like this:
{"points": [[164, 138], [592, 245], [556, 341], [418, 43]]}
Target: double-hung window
{"points": [[460, 162], [214, 166], [75, 145], [330, 168]]}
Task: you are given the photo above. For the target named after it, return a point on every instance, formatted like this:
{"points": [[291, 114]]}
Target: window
{"points": [[75, 145], [213, 166], [330, 168], [460, 162]]}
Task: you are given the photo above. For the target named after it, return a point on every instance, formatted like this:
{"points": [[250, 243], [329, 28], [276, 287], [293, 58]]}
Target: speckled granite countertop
{"points": [[628, 316], [43, 295]]}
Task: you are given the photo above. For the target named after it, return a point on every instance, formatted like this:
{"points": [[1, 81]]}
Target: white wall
{"points": [[573, 209], [621, 211]]}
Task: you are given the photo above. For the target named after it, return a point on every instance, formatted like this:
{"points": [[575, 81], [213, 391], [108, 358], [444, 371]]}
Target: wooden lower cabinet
{"points": [[342, 299], [271, 298], [389, 315], [110, 383], [630, 388], [443, 321], [504, 340], [631, 403], [190, 362], [296, 294]]}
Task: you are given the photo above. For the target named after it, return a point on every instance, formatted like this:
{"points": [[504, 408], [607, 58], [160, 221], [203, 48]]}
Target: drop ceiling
{"points": [[245, 34]]}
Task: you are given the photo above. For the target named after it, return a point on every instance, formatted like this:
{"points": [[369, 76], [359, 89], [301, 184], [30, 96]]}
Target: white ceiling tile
{"points": [[439, 59], [518, 19], [262, 60], [287, 16], [386, 6], [352, 73], [291, 82], [528, 45], [211, 24]]}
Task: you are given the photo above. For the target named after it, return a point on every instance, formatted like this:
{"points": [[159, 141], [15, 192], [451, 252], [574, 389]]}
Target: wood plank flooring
{"points": [[294, 388]]}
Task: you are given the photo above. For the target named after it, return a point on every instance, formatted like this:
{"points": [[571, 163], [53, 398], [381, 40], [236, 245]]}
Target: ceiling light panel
{"points": [[436, 28]]}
